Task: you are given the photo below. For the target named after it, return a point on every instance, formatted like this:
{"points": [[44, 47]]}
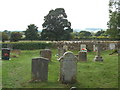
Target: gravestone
{"points": [[60, 52], [112, 46], [5, 53], [46, 53], [68, 68], [98, 57], [82, 56], [82, 46], [94, 48], [39, 69], [65, 48]]}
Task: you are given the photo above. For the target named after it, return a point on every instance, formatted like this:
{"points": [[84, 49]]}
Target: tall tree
{"points": [[114, 22], [56, 26], [4, 36], [31, 32]]}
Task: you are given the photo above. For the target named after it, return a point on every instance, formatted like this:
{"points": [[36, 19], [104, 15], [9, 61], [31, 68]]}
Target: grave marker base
{"points": [[98, 58]]}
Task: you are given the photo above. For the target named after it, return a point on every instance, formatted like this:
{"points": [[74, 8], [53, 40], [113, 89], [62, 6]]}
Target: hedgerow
{"points": [[27, 45]]}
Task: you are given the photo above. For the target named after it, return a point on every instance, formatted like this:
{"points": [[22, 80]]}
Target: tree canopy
{"points": [[85, 34], [31, 32], [56, 26], [99, 33], [15, 36], [114, 22]]}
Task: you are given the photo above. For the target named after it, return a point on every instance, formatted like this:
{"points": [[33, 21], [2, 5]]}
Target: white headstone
{"points": [[82, 46], [94, 48], [112, 46]]}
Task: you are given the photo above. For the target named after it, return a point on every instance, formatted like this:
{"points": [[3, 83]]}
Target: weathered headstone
{"points": [[60, 52], [112, 45], [98, 57], [94, 48], [39, 69], [82, 56], [68, 68], [65, 48], [46, 53]]}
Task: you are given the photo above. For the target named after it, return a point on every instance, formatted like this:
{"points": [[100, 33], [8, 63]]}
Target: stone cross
{"points": [[98, 56], [68, 68], [39, 69], [46, 53]]}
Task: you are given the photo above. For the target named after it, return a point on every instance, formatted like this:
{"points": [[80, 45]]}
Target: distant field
{"points": [[17, 72]]}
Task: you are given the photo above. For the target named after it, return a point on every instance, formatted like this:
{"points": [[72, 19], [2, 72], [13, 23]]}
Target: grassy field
{"points": [[16, 73]]}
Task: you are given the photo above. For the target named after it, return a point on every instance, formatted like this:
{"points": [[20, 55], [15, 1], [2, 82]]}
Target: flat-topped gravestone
{"points": [[68, 68], [82, 56], [5, 53], [46, 53], [39, 69], [112, 46], [82, 46]]}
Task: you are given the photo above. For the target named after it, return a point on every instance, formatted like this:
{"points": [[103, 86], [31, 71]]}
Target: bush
{"points": [[27, 45]]}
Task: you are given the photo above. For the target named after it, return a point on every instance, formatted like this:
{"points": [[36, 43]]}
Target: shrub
{"points": [[27, 45]]}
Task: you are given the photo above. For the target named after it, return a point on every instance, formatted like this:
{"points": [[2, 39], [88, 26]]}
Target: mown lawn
{"points": [[16, 73]]}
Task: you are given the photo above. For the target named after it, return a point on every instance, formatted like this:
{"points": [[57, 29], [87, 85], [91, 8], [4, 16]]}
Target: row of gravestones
{"points": [[90, 45], [68, 65]]}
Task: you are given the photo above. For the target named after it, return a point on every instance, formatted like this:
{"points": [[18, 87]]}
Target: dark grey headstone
{"points": [[39, 69], [82, 56], [46, 53]]}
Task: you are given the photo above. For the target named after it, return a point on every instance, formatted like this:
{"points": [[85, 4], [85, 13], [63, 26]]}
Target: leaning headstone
{"points": [[39, 69], [98, 57], [46, 53], [112, 46], [68, 68], [82, 56]]}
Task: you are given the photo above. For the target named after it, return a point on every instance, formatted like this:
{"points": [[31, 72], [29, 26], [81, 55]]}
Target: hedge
{"points": [[27, 45]]}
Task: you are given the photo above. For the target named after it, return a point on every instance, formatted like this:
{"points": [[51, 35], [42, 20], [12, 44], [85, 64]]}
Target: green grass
{"points": [[16, 73]]}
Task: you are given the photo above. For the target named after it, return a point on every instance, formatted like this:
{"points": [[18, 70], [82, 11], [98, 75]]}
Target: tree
{"points": [[31, 32], [4, 36], [15, 36], [99, 33], [85, 34], [56, 26], [114, 22]]}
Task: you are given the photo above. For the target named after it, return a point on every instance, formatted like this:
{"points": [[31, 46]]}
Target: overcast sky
{"points": [[18, 14]]}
